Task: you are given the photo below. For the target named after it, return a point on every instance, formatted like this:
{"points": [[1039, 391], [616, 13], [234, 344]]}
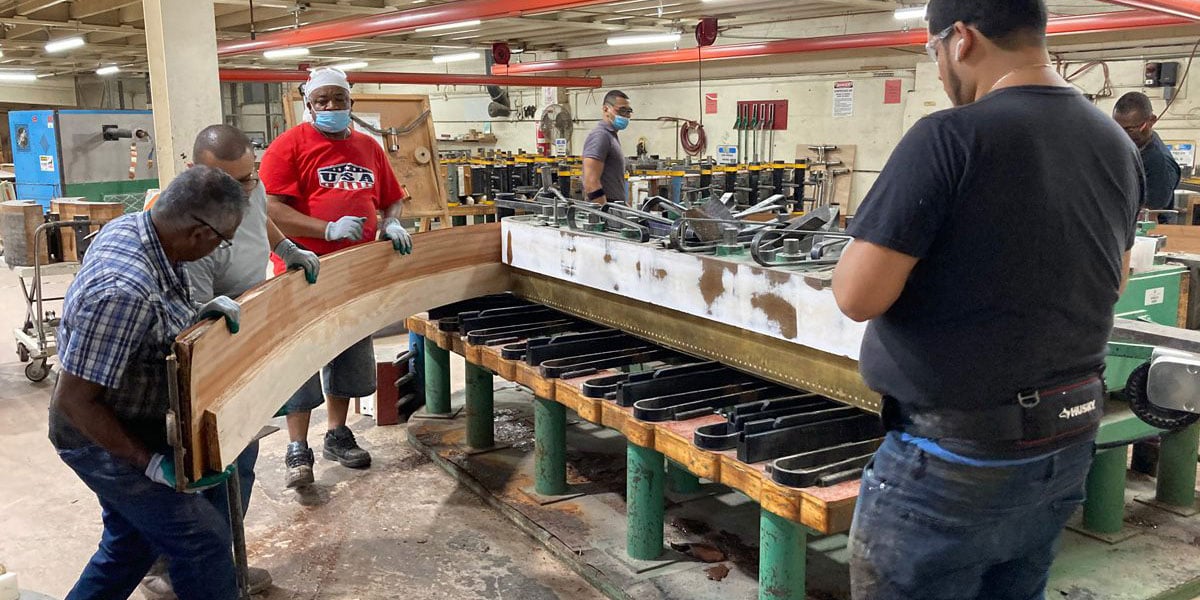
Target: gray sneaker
{"points": [[299, 461], [341, 446]]}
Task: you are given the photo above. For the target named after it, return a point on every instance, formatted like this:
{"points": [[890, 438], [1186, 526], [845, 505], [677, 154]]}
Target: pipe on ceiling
{"points": [[1188, 9], [276, 75], [1058, 26], [397, 22]]}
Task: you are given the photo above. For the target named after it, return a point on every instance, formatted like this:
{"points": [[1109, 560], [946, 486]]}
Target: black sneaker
{"points": [[299, 461], [340, 446]]}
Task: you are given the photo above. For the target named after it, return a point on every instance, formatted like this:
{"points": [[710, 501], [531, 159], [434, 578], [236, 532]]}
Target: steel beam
{"points": [[481, 419], [399, 21], [1188, 9], [888, 39], [274, 75]]}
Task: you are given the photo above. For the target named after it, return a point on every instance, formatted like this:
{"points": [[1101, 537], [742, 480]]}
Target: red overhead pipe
{"points": [[273, 75], [1057, 26], [396, 22], [1189, 9]]}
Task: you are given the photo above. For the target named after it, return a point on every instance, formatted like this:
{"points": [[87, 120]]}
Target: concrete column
{"points": [[181, 43]]}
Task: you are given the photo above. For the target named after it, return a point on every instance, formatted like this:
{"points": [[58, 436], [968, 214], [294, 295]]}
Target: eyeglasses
{"points": [[225, 242], [624, 111], [932, 45]]}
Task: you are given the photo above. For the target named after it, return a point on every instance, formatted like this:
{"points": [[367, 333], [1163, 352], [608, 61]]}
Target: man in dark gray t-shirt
{"points": [[987, 258], [603, 161]]}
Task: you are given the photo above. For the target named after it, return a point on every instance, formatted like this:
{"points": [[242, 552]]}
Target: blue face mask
{"points": [[332, 121], [620, 123]]}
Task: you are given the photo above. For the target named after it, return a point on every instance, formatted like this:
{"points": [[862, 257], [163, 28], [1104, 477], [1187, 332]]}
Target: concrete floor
{"points": [[403, 528]]}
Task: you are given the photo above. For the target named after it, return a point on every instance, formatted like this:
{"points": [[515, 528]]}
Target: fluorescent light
{"points": [[350, 66], [18, 76], [64, 44], [285, 53], [460, 57], [109, 70], [912, 12], [445, 26], [644, 38]]}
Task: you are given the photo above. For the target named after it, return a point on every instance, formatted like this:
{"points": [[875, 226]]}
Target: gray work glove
{"points": [[221, 306], [296, 257], [401, 240], [345, 228]]}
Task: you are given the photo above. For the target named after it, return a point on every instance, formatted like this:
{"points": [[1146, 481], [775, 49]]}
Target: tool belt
{"points": [[1030, 418]]}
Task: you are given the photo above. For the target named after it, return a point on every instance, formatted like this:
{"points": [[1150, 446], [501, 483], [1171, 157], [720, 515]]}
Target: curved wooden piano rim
{"points": [[232, 384]]}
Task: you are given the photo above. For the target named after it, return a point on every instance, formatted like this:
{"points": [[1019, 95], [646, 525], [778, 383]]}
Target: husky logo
{"points": [[1071, 412], [346, 176]]}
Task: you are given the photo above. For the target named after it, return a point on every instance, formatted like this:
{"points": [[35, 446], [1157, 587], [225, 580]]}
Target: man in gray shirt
{"points": [[234, 267], [603, 161]]}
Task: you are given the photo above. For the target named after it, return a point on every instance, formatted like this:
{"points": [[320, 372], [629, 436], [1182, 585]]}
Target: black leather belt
{"points": [[1030, 418]]}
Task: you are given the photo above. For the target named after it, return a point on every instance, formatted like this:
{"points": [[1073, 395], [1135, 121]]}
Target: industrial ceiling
{"points": [[113, 29]]}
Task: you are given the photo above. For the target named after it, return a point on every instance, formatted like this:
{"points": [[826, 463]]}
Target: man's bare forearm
{"points": [[79, 400], [274, 235], [292, 222]]}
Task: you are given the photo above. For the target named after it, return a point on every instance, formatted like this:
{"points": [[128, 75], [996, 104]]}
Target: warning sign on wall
{"points": [[710, 103], [891, 91], [843, 99]]}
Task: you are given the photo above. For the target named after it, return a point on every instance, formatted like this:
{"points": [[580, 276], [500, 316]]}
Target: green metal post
{"points": [[645, 504], [782, 546], [1177, 467], [549, 447], [1105, 506], [480, 416], [680, 480], [437, 379]]}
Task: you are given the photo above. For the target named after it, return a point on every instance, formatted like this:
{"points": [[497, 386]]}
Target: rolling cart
{"points": [[35, 338]]}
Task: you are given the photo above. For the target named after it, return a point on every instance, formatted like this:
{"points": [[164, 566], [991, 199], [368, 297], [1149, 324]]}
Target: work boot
{"points": [[299, 461], [340, 446], [157, 583]]}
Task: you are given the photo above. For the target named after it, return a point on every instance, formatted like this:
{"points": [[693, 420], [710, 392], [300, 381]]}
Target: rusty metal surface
{"points": [[767, 357]]}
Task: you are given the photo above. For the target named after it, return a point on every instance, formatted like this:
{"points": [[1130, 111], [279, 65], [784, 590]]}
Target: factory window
{"points": [[255, 108]]}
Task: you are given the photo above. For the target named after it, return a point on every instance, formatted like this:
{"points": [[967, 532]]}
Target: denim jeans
{"points": [[928, 529], [142, 520]]}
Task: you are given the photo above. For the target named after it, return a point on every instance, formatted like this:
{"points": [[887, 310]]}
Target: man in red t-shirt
{"points": [[326, 185]]}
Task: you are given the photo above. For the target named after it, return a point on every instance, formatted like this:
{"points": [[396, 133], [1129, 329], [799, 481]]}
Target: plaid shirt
{"points": [[120, 318]]}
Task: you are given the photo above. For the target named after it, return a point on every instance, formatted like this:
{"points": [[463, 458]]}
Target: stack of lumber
{"points": [[19, 219]]}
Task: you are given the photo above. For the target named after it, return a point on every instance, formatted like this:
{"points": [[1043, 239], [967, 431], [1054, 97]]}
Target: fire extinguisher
{"points": [[543, 145]]}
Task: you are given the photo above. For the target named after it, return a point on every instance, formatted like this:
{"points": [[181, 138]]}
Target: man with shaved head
{"points": [[230, 270], [1135, 114]]}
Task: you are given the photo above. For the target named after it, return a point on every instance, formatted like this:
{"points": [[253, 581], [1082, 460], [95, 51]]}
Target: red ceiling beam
{"points": [[1188, 9], [1058, 26], [398, 22], [272, 75]]}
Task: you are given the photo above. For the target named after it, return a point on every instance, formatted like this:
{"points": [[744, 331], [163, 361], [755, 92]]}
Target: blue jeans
{"points": [[927, 529], [144, 519]]}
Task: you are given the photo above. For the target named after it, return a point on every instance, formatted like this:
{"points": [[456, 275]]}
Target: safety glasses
{"points": [[932, 45], [624, 112], [225, 242]]}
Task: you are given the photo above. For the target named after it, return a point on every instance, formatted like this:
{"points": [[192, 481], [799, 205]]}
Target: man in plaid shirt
{"points": [[107, 416]]}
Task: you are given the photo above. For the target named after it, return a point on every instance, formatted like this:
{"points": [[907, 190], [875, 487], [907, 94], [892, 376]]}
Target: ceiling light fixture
{"points": [[445, 26], [350, 66], [64, 44], [644, 38], [285, 53], [912, 12], [109, 70], [18, 76], [460, 57]]}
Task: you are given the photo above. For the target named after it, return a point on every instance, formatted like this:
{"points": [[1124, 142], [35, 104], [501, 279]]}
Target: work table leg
{"points": [[1177, 468], [437, 379], [549, 447], [1104, 509], [680, 480], [480, 401], [783, 546], [644, 502]]}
